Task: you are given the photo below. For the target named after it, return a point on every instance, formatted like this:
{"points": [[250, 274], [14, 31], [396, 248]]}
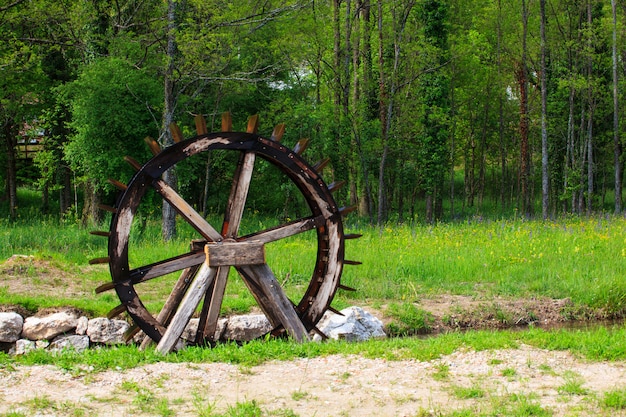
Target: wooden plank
{"points": [[320, 165], [184, 209], [261, 299], [238, 194], [301, 146], [235, 253], [207, 325], [227, 122], [157, 269], [190, 301], [107, 208], [132, 162], [336, 186], [285, 230], [201, 128], [278, 132], [153, 145], [253, 124], [278, 302], [97, 261], [173, 300], [117, 184], [100, 233], [177, 134]]}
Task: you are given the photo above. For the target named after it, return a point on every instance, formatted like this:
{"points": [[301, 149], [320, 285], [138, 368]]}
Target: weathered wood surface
{"points": [[188, 305], [235, 253], [277, 302], [187, 212]]}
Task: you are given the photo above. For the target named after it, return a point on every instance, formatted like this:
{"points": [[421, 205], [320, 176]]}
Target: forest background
{"points": [[429, 109]]}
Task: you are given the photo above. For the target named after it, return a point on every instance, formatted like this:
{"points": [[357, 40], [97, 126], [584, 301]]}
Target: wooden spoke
{"points": [[133, 163], [353, 236], [100, 233], [334, 310], [238, 195], [177, 134], [263, 278], [174, 299], [253, 124], [227, 122], [158, 269], [301, 146], [186, 211], [155, 148], [345, 287], [200, 125], [107, 208], [336, 186], [207, 324], [97, 261], [188, 304], [347, 262], [278, 132], [344, 211], [285, 230], [117, 184], [320, 165]]}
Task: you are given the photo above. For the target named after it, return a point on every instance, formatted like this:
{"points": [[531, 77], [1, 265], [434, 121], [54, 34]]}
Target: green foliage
{"points": [[114, 106]]}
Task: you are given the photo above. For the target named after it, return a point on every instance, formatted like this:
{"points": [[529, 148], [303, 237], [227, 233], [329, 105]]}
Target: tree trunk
{"points": [[383, 119], [9, 131], [168, 227], [617, 146], [591, 99], [545, 195], [91, 211], [522, 79]]}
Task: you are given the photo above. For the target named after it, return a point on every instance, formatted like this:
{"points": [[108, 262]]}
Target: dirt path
{"points": [[524, 381]]}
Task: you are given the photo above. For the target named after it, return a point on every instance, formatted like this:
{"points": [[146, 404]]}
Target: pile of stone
{"points": [[70, 330]]}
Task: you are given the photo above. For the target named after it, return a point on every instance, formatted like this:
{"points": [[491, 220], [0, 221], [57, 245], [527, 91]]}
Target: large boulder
{"points": [[48, 327], [109, 332], [10, 327], [353, 324]]}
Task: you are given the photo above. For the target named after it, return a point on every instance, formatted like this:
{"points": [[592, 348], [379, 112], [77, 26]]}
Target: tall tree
{"points": [[617, 145], [545, 180], [435, 106]]}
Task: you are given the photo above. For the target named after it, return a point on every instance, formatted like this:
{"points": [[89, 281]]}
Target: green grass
{"points": [[260, 351], [583, 259]]}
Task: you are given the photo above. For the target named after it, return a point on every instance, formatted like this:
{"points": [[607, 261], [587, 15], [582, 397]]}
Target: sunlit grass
{"points": [[583, 259]]}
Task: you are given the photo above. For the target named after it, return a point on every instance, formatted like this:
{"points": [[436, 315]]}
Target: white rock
{"points": [[103, 330], [76, 343], [40, 328], [23, 346], [356, 324], [10, 327], [246, 328], [81, 325]]}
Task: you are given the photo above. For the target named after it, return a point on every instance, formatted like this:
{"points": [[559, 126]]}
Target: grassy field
{"points": [[583, 259]]}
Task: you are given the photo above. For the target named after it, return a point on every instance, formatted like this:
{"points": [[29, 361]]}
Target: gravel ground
{"points": [[524, 381]]}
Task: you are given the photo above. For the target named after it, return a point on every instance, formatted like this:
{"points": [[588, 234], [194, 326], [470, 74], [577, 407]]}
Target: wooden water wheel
{"points": [[204, 268]]}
